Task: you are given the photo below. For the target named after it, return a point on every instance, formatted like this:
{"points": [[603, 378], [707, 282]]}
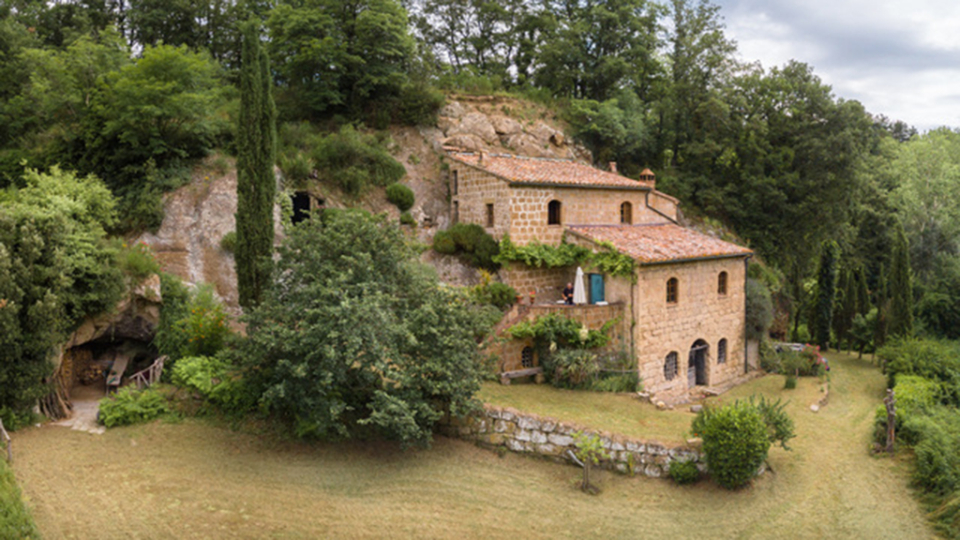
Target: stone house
{"points": [[683, 311]]}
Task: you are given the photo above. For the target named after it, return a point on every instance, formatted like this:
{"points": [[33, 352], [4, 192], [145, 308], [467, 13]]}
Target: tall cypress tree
{"points": [[826, 293], [883, 309], [846, 307], [256, 184], [900, 289]]}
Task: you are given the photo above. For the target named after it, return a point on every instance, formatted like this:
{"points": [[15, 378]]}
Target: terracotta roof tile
{"points": [[547, 171], [660, 242]]}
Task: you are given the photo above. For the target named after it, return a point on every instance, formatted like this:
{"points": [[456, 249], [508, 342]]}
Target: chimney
{"points": [[613, 166], [648, 176], [482, 154]]}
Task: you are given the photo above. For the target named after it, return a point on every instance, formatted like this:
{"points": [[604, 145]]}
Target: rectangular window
{"points": [[489, 214], [456, 211], [456, 183]]}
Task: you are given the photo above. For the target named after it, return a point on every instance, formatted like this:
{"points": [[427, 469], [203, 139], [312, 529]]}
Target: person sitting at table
{"points": [[568, 294]]}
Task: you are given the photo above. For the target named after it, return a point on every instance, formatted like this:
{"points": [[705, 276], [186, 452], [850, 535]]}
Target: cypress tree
{"points": [[880, 330], [900, 289], [826, 293], [256, 184], [846, 307]]}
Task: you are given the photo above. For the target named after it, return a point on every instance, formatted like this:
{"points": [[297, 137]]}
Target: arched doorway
{"points": [[697, 364]]}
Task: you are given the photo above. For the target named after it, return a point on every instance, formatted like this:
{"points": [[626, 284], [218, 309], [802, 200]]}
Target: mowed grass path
{"points": [[196, 480]]}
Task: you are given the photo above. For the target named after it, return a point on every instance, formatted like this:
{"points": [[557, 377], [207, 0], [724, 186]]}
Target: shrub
{"points": [[138, 261], [735, 441], [759, 309], [228, 242], [205, 324], [407, 219], [791, 382], [474, 244], [212, 377], [131, 406], [354, 160], [684, 472], [418, 104], [471, 242], [169, 340], [15, 519], [915, 397], [443, 243], [501, 295], [296, 167], [624, 382], [400, 196], [932, 359], [571, 368]]}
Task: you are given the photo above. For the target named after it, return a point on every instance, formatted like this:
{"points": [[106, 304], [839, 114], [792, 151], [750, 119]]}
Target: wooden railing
{"points": [[5, 437], [150, 375]]}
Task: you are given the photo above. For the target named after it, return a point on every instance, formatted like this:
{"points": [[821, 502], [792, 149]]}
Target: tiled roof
{"points": [[547, 171], [660, 242]]}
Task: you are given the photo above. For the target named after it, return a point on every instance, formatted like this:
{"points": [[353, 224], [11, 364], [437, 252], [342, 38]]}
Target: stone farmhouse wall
{"points": [[526, 433], [529, 210], [699, 313], [471, 191], [523, 211], [547, 283]]}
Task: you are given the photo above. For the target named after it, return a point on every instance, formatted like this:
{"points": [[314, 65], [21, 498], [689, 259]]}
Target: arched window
{"points": [[553, 213], [722, 283], [670, 366], [626, 213], [526, 357], [722, 351], [673, 290]]}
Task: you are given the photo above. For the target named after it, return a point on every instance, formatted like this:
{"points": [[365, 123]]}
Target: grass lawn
{"points": [[198, 480]]}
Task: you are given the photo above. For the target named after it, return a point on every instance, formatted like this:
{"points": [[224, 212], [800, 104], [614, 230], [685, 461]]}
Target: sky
{"points": [[899, 58]]}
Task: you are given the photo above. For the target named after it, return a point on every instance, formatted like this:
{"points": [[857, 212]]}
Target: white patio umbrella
{"points": [[579, 291]]}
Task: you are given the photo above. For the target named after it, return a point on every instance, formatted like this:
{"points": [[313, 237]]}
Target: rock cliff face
{"points": [[199, 214]]}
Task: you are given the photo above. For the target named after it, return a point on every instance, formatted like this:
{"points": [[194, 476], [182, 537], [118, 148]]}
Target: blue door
{"points": [[596, 288]]}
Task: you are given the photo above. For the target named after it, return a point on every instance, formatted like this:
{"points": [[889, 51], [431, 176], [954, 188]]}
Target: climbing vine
{"points": [[609, 260], [540, 255]]}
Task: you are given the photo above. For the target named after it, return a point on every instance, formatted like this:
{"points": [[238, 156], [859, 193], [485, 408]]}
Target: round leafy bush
{"points": [[400, 196], [407, 219], [443, 243], [228, 242], [735, 440], [684, 472]]}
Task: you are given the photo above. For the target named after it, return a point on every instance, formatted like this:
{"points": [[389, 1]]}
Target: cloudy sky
{"points": [[900, 58]]}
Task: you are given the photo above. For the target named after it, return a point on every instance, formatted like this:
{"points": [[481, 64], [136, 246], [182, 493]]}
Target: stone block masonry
{"points": [[526, 433]]}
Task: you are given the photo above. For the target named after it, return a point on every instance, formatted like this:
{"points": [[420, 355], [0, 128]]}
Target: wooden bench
{"points": [[506, 376]]}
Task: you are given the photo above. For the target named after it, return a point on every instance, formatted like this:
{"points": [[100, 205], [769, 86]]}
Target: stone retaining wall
{"points": [[526, 433]]}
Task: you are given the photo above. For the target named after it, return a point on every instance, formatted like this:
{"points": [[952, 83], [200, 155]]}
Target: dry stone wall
{"points": [[526, 433]]}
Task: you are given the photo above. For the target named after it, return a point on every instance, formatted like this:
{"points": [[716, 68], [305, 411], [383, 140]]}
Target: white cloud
{"points": [[900, 61]]}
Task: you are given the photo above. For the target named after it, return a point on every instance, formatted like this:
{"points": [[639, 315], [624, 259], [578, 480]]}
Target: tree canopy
{"points": [[355, 336]]}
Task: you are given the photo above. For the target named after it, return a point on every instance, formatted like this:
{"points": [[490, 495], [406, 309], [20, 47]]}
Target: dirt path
{"points": [[195, 480]]}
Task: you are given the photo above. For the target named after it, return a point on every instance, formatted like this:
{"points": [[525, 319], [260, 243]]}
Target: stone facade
{"points": [[522, 211], [700, 313], [530, 434]]}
